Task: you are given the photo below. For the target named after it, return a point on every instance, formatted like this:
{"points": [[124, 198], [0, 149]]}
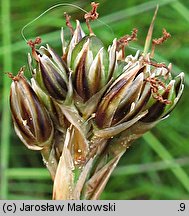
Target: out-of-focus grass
{"points": [[5, 119], [156, 166]]}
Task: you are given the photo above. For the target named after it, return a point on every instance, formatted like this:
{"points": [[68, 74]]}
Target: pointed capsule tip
{"points": [[181, 75], [150, 32], [17, 77], [170, 66], [77, 23], [170, 85]]}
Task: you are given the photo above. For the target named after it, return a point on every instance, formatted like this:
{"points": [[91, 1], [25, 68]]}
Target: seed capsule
{"points": [[116, 93], [92, 66], [141, 87], [31, 120], [51, 73]]}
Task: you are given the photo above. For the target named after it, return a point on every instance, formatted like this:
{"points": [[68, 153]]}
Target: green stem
{"points": [[5, 124]]}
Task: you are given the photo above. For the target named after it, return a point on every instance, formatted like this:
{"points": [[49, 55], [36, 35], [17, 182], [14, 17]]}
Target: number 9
{"points": [[182, 206]]}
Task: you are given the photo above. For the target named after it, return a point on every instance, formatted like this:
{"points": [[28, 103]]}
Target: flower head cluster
{"points": [[83, 99]]}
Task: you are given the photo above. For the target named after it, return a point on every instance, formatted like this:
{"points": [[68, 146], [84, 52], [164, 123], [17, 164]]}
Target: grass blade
{"points": [[163, 153], [5, 124], [181, 9]]}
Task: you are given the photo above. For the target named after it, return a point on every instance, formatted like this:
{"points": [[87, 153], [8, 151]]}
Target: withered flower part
{"points": [[160, 105], [124, 41], [160, 40], [68, 23], [31, 121], [92, 15]]}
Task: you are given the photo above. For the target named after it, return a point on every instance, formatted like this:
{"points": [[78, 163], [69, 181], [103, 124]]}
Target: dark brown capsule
{"points": [[31, 121], [51, 73]]}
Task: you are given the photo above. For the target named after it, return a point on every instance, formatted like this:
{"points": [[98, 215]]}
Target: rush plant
{"points": [[83, 109]]}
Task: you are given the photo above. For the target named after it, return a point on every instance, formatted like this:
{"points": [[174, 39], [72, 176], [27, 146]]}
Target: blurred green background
{"points": [[154, 167]]}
